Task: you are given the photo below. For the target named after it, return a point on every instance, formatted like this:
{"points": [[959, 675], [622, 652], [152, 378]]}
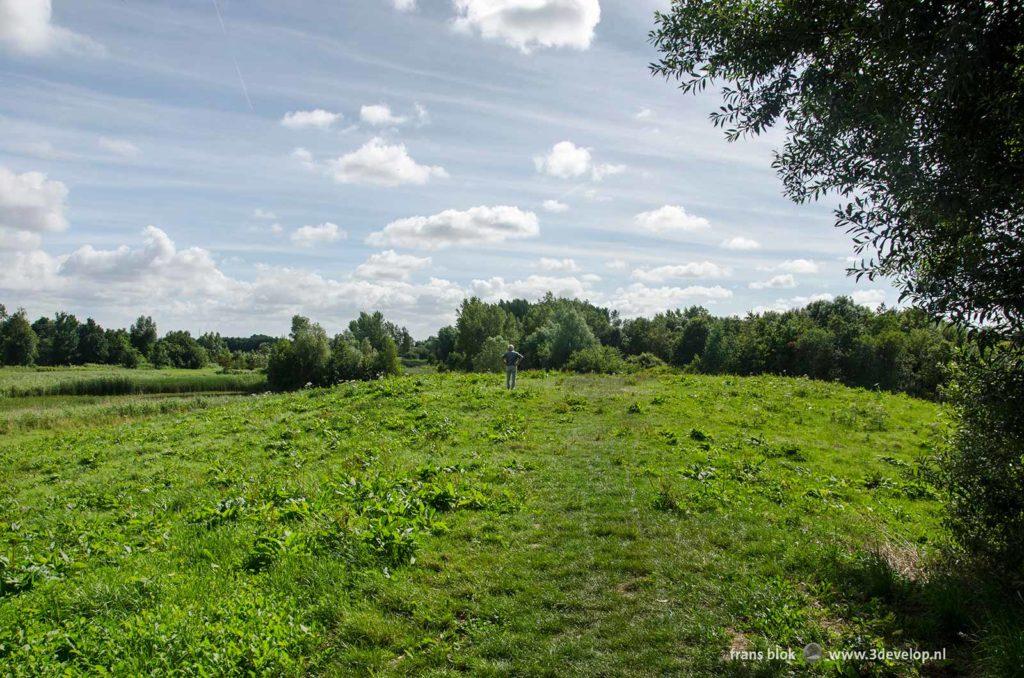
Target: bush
{"points": [[488, 358], [644, 361], [981, 467], [305, 359], [600, 359]]}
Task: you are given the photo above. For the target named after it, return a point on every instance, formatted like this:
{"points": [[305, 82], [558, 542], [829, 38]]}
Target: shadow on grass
{"points": [[944, 604]]}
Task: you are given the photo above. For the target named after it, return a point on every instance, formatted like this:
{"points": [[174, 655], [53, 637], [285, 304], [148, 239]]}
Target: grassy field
{"points": [[99, 380], [437, 524]]}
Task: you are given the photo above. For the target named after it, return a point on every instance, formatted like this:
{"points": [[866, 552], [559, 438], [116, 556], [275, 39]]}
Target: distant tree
{"points": [[3, 312], [143, 334], [691, 341], [447, 338], [304, 359], [18, 342], [120, 350], [477, 321], [565, 333], [92, 343], [44, 329], [64, 340], [488, 358], [182, 350]]}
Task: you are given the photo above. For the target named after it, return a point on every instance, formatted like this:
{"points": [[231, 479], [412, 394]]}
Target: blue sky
{"points": [[329, 157]]}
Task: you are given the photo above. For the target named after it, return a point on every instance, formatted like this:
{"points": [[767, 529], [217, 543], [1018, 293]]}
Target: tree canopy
{"points": [[912, 111]]}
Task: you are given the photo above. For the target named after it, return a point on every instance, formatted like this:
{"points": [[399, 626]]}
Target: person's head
{"points": [[511, 347]]}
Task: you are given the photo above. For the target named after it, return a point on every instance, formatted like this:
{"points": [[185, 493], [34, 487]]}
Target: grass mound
{"points": [[627, 525]]}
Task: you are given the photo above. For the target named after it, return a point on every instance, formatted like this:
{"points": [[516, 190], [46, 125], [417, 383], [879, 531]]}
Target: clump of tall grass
{"points": [[109, 385]]}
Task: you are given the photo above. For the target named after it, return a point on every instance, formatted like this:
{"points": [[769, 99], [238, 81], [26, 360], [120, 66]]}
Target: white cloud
{"points": [[527, 24], [304, 158], [307, 236], [381, 164], [19, 240], [390, 265], [785, 280], [697, 269], [404, 5], [669, 220], [566, 160], [260, 213], [782, 305], [318, 118], [475, 226], [644, 114], [26, 28], [740, 243], [157, 271], [276, 229], [871, 298], [617, 264], [532, 287], [31, 202], [560, 265], [555, 206], [795, 266], [380, 115], [121, 147], [640, 300]]}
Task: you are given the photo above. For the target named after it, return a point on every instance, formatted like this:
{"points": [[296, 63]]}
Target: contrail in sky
{"points": [[223, 28]]}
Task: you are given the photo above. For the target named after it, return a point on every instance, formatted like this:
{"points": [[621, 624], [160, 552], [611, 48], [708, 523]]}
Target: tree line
{"points": [[891, 349], [65, 340]]}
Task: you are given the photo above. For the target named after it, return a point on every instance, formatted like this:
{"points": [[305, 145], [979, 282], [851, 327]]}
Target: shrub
{"points": [[601, 359], [644, 361], [305, 359], [488, 358], [981, 466]]}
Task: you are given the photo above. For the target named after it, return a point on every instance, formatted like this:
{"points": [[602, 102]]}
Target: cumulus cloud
{"points": [[189, 290], [260, 213], [566, 160], [560, 265], [697, 269], [18, 240], [532, 287], [782, 305], [739, 243], [644, 114], [380, 163], [616, 264], [528, 24], [794, 266], [555, 206], [31, 202], [156, 271], [307, 236], [380, 115], [304, 158], [476, 226], [121, 147], [871, 298], [317, 118], [640, 300], [783, 281], [390, 265], [27, 28], [404, 5], [669, 220]]}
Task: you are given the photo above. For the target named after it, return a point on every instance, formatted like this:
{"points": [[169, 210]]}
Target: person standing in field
{"points": [[511, 360]]}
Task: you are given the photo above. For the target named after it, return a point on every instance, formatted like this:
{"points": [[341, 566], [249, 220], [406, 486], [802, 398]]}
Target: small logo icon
{"points": [[812, 653]]}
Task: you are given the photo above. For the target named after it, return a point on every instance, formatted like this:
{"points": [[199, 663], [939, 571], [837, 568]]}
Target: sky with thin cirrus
{"points": [[224, 165]]}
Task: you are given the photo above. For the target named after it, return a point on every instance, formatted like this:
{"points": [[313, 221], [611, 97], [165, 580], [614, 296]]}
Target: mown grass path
{"points": [[437, 525]]}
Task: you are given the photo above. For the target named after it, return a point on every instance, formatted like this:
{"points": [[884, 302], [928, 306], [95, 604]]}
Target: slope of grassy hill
{"points": [[438, 524]]}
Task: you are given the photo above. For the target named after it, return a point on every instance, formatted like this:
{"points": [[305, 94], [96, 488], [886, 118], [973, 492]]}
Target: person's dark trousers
{"points": [[510, 376]]}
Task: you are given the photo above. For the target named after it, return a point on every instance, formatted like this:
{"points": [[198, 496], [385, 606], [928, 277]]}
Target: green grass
{"points": [[437, 524], [20, 382]]}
